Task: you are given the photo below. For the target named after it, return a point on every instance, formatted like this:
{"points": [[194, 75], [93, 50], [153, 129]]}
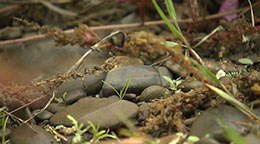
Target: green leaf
{"points": [[206, 72], [168, 79], [171, 44], [170, 8], [165, 19], [232, 134], [246, 61]]}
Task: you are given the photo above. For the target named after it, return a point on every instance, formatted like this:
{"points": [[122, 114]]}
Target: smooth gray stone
{"points": [[24, 134], [154, 92], [109, 112], [74, 95], [212, 120], [143, 77], [55, 107], [45, 115]]}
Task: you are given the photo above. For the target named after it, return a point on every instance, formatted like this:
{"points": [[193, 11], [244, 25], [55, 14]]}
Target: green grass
{"points": [[121, 94], [199, 63], [4, 120], [97, 133]]}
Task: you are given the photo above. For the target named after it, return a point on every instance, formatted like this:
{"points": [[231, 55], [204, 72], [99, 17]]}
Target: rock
{"points": [[143, 112], [74, 95], [130, 96], [91, 84], [153, 92], [25, 134], [188, 85], [45, 115], [176, 68], [55, 107], [252, 138], [143, 76], [209, 122], [110, 113], [206, 141]]}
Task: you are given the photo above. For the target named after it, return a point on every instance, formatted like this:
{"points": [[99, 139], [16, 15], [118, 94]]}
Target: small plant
{"points": [[197, 61], [4, 120], [189, 140], [62, 99], [97, 134], [79, 128], [173, 83], [245, 61], [123, 91]]}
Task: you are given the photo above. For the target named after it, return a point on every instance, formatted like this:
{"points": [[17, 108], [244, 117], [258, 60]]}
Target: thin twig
{"points": [[26, 105], [44, 108], [94, 47], [252, 13], [9, 8], [209, 35], [121, 26]]}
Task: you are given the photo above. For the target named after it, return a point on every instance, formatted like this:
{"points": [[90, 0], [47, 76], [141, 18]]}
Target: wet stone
{"points": [[109, 112], [252, 138], [188, 85], [55, 107], [130, 96], [74, 95], [143, 77], [90, 84], [143, 112], [24, 134], [208, 124], [154, 92], [45, 115], [206, 141]]}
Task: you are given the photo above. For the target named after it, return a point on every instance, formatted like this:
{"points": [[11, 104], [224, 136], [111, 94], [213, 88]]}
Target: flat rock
{"points": [[45, 115], [109, 112], [74, 95], [143, 77], [208, 122], [153, 92], [55, 107], [90, 84], [24, 134]]}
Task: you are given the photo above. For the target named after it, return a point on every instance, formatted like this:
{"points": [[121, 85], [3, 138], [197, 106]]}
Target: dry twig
{"points": [[120, 26]]}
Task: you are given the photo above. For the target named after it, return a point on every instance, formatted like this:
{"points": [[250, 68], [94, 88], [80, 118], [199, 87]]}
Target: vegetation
{"points": [[173, 83], [198, 62], [123, 91], [4, 120], [97, 133], [61, 99]]}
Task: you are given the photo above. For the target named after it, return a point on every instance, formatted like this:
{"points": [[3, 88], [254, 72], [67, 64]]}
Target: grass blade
{"points": [[233, 101], [206, 72], [165, 19], [170, 9]]}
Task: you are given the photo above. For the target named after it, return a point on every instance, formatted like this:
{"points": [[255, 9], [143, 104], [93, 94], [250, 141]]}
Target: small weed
{"points": [[62, 99], [173, 83], [123, 91], [189, 140], [97, 134], [4, 120], [246, 61]]}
